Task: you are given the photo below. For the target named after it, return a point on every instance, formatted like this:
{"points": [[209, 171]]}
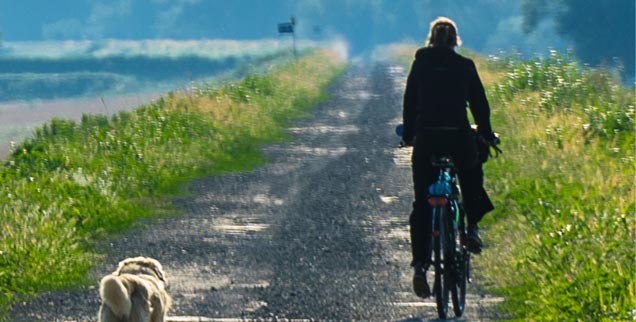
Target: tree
{"points": [[599, 30]]}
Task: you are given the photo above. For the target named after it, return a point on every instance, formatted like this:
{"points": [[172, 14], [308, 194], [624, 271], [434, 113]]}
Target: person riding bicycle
{"points": [[439, 86]]}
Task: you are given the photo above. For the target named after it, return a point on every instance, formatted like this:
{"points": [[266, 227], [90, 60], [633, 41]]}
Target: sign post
{"points": [[288, 28]]}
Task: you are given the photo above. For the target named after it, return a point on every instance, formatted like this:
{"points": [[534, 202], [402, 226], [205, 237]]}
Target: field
{"points": [[64, 69], [562, 239], [74, 183]]}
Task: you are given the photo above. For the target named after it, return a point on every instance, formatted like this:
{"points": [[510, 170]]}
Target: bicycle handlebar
{"points": [[494, 142]]}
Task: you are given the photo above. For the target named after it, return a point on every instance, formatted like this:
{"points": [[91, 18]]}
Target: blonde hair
{"points": [[443, 33]]}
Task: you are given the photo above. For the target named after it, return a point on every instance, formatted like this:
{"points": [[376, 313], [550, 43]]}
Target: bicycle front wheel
{"points": [[461, 262], [460, 276], [458, 290]]}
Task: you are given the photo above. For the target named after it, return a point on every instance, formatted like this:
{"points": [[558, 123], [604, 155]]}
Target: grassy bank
{"points": [[566, 186], [562, 239], [76, 182]]}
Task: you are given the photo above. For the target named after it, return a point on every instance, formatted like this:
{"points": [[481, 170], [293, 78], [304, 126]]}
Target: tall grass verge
{"points": [[562, 239], [563, 242], [76, 182]]}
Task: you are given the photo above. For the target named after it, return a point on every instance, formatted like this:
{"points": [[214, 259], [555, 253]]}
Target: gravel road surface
{"points": [[318, 233]]}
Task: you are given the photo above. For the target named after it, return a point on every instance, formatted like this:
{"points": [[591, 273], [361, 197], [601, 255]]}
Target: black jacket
{"points": [[439, 87]]}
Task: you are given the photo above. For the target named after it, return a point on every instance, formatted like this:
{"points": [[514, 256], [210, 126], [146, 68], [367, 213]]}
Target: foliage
{"points": [[563, 234], [563, 86], [76, 182]]}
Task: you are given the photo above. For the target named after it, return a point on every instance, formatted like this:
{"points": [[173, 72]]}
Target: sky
{"points": [[484, 25]]}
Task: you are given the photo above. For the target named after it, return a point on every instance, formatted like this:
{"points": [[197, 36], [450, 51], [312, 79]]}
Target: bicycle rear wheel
{"points": [[441, 286]]}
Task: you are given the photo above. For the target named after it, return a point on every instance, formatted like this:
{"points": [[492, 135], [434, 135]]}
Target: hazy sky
{"points": [[485, 25]]}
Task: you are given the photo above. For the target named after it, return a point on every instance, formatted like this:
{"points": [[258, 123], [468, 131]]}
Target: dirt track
{"points": [[319, 233]]}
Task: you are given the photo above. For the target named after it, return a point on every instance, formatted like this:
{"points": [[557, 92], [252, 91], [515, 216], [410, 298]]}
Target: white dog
{"points": [[135, 292]]}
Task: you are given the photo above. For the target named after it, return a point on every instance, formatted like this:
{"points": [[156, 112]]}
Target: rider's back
{"points": [[444, 82]]}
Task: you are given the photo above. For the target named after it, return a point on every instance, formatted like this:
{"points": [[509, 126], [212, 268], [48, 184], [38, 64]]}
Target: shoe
{"points": [[473, 242], [420, 285]]}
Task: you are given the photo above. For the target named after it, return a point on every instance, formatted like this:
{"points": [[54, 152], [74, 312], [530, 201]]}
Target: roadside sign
{"points": [[288, 28], [285, 28]]}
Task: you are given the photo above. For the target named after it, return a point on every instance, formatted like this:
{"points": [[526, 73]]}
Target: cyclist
{"points": [[439, 86]]}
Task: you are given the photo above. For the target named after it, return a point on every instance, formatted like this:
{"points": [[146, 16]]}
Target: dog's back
{"points": [[115, 295], [135, 292], [124, 299]]}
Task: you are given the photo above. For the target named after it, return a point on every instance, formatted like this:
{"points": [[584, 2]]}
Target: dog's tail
{"points": [[116, 295]]}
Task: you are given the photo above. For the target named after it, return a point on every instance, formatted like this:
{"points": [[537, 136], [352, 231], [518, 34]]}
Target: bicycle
{"points": [[450, 258], [450, 255]]}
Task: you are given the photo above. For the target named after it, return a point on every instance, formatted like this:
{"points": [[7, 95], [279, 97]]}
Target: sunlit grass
{"points": [[490, 71], [563, 233], [76, 182]]}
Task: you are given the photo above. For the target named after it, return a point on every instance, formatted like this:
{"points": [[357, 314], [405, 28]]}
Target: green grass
{"points": [[562, 239], [566, 184], [77, 182]]}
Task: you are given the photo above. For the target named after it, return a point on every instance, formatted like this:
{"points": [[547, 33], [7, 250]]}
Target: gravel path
{"points": [[319, 233]]}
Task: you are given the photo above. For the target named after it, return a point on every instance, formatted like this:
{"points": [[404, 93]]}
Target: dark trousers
{"points": [[462, 147]]}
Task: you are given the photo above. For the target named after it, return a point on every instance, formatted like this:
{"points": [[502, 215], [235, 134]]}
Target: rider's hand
{"points": [[495, 140], [492, 138]]}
